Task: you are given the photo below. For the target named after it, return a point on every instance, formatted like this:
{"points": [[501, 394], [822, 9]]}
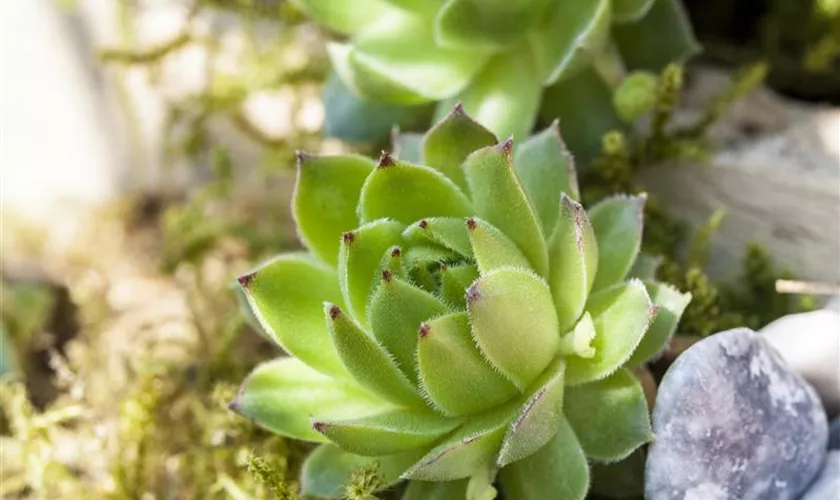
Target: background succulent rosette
{"points": [[459, 319], [508, 62]]}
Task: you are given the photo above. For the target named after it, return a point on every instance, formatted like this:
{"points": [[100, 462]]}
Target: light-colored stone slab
{"points": [[778, 178]]}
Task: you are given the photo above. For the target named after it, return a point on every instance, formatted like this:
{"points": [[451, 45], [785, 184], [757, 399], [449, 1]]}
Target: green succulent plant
{"points": [[497, 58], [459, 320]]}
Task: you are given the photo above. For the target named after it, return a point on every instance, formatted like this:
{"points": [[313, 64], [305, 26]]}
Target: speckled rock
{"points": [[817, 360], [733, 422], [827, 484]]}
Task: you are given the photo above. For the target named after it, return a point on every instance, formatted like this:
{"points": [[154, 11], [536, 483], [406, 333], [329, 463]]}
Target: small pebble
{"points": [[827, 484], [732, 421], [810, 344]]}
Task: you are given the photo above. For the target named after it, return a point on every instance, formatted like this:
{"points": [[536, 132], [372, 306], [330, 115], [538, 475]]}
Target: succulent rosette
{"points": [[459, 318], [497, 57]]}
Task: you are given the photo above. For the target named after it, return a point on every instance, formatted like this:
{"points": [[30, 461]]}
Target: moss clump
{"points": [[752, 301]]}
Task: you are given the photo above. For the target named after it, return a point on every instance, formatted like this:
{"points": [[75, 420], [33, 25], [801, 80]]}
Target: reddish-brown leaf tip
{"points": [[303, 157], [396, 252], [472, 293], [386, 160], [507, 146], [335, 312], [319, 426], [386, 275], [471, 224], [424, 224], [233, 406], [246, 279], [348, 237], [459, 109], [425, 329]]}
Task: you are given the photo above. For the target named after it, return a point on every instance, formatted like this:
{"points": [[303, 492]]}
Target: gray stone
{"points": [[810, 344], [827, 484], [733, 422], [834, 435]]}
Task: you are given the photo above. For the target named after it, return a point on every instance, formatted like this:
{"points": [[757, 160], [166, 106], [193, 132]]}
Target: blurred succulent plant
{"points": [[457, 321], [496, 57]]}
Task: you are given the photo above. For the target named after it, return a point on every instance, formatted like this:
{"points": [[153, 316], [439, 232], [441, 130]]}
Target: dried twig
{"points": [[806, 287]]}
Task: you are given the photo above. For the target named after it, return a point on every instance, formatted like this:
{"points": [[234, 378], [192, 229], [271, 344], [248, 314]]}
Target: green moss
{"points": [[752, 300], [363, 482]]}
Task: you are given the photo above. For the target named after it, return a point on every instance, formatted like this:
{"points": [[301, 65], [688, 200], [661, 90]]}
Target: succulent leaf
{"points": [[645, 266], [448, 232], [325, 199], [328, 468], [492, 248], [453, 373], [285, 295], [407, 193], [573, 257], [670, 304], [455, 359], [447, 144], [441, 490], [454, 280], [583, 103], [578, 342], [471, 447], [557, 470], [426, 7], [621, 316], [343, 107], [387, 433], [346, 17], [610, 416], [506, 306], [499, 199], [661, 37], [281, 395], [538, 418], [359, 258], [504, 96], [396, 60], [618, 220], [486, 24], [546, 169], [571, 30], [628, 11], [368, 362], [393, 262], [397, 309]]}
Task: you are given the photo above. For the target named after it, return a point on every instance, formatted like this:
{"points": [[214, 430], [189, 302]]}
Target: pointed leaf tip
{"points": [[303, 158], [386, 276], [471, 224], [334, 311], [473, 294], [246, 279], [425, 330], [348, 237], [507, 146], [396, 252], [386, 160], [423, 224], [458, 109], [319, 426]]}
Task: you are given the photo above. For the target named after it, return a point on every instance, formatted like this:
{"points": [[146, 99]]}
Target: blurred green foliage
{"points": [[800, 39]]}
